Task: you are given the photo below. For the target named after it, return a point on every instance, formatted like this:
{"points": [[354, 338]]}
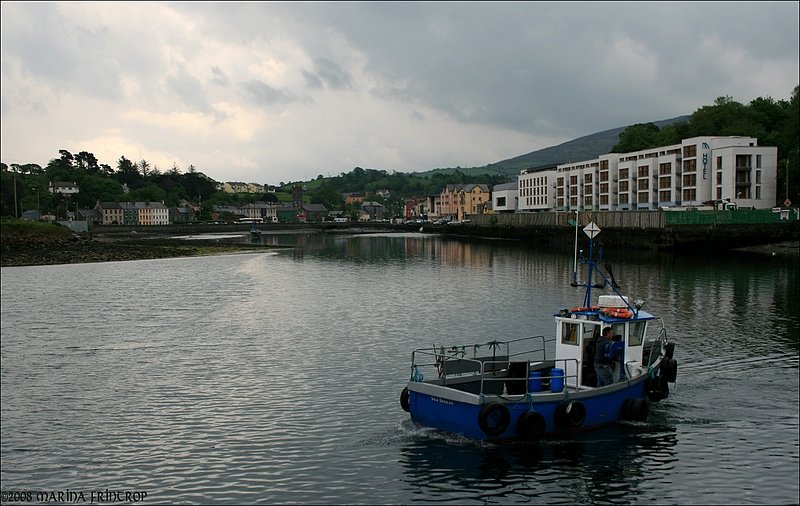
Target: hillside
{"points": [[582, 148]]}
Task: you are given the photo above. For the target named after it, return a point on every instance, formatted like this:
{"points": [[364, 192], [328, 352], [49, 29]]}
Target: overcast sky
{"points": [[277, 92]]}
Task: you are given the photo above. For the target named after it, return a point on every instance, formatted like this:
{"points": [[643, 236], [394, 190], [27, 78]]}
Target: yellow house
{"points": [[458, 201]]}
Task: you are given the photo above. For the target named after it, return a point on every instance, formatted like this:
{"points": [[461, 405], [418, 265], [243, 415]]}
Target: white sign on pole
{"points": [[591, 230]]}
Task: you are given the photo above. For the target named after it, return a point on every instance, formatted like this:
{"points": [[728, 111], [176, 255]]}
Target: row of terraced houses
{"points": [[690, 174]]}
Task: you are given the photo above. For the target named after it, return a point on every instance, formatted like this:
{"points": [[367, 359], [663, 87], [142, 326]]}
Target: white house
{"points": [[505, 198]]}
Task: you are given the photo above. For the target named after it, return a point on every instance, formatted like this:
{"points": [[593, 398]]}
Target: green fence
{"points": [[731, 217], [639, 219]]}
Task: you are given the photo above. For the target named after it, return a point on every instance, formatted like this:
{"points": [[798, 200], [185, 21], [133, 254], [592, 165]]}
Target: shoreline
{"points": [[84, 250], [21, 250]]}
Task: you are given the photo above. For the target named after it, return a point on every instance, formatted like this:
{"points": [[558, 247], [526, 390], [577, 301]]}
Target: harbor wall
{"points": [[657, 230]]}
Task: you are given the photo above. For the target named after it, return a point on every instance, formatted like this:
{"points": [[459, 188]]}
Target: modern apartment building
{"points": [[689, 174]]}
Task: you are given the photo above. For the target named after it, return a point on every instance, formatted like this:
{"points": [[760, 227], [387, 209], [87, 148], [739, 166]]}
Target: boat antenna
{"points": [[575, 262], [610, 273]]}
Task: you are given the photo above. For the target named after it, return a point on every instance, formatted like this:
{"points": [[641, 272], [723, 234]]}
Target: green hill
{"points": [[582, 148]]}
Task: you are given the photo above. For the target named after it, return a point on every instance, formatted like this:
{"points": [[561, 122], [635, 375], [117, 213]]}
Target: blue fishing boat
{"points": [[533, 387]]}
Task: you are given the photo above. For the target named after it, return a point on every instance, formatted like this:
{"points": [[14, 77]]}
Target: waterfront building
{"points": [[693, 173], [459, 200], [132, 213], [505, 198], [535, 190]]}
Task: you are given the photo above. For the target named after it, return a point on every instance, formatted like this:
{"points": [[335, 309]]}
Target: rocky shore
{"points": [[19, 251]]}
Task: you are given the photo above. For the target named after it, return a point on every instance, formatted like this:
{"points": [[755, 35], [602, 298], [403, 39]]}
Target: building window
{"points": [[623, 173], [643, 198], [690, 180], [689, 195], [758, 161], [719, 193], [623, 186], [664, 196], [501, 201], [644, 183], [758, 192], [644, 171], [719, 177], [665, 182], [665, 169], [719, 163], [690, 165], [758, 177], [690, 151]]}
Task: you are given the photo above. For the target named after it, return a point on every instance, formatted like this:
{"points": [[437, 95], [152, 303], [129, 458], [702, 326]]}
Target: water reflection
{"points": [[605, 466]]}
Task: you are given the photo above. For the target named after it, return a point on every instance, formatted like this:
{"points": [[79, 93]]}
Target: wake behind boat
{"points": [[533, 387]]}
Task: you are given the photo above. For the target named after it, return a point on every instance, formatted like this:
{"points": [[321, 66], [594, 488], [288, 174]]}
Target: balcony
{"points": [[743, 168]]}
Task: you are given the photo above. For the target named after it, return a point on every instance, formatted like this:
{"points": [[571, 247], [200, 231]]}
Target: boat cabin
{"points": [[578, 334]]}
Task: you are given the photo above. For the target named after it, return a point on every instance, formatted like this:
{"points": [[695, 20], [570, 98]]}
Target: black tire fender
{"points": [[531, 425], [663, 386], [670, 370], [404, 400], [669, 350], [493, 418], [570, 414], [652, 390], [635, 410]]}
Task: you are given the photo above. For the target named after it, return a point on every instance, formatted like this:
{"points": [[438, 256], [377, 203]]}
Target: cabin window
{"points": [[590, 332], [636, 335], [569, 333]]}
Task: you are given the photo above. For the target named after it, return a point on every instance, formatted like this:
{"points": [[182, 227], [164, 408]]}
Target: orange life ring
{"points": [[617, 312]]}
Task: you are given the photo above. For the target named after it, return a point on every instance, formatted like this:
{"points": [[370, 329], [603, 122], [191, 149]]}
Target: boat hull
{"points": [[472, 416]]}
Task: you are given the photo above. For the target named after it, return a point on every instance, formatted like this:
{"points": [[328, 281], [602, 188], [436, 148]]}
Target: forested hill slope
{"points": [[582, 148]]}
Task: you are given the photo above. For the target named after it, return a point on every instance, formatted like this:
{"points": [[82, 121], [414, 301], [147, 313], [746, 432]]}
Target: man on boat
{"points": [[603, 366], [615, 352]]}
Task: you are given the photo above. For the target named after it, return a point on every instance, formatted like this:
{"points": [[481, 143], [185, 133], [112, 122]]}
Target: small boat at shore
{"points": [[255, 234], [533, 387]]}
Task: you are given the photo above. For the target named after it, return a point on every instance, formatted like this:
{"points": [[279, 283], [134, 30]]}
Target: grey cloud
{"points": [[327, 73], [219, 77], [263, 94], [189, 90]]}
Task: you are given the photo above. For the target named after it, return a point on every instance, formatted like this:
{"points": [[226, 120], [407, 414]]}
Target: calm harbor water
{"points": [[275, 377]]}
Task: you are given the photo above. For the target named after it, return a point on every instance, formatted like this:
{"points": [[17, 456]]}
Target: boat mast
{"points": [[590, 230]]}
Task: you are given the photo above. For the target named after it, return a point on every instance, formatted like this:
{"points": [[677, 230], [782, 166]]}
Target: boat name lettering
{"points": [[442, 401]]}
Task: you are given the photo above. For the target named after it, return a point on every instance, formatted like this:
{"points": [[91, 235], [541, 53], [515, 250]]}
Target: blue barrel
{"points": [[535, 381], [556, 380]]}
